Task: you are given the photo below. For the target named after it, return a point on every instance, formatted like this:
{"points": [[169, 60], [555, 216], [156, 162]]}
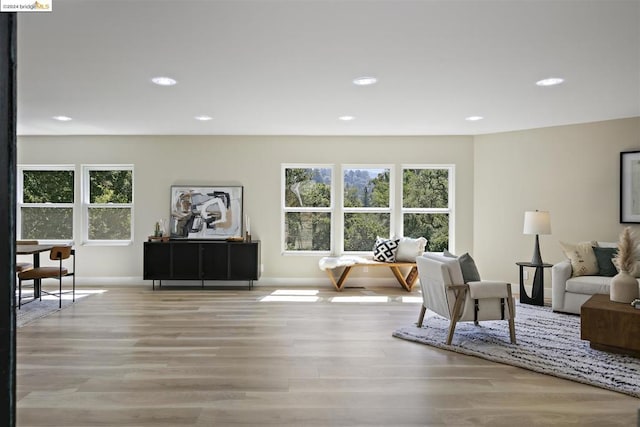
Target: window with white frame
{"points": [[307, 203], [427, 204], [107, 201], [366, 205], [46, 196]]}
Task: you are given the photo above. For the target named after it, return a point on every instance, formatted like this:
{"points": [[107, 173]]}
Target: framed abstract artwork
{"points": [[201, 212], [630, 187]]}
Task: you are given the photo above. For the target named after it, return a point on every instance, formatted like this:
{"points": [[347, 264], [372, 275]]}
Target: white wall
{"points": [[253, 162], [571, 171]]}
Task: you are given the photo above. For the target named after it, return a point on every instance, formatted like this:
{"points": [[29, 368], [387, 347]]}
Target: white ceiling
{"points": [[268, 67]]}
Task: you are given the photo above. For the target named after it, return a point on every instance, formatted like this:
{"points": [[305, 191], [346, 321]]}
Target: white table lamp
{"points": [[537, 222]]}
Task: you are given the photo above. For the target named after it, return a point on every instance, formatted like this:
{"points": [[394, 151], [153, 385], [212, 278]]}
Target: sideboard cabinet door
{"points": [[215, 261], [244, 261], [157, 261], [185, 261]]}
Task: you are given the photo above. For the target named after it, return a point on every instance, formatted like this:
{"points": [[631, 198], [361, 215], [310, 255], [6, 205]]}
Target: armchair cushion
{"points": [[487, 289], [469, 270], [467, 265], [452, 264]]}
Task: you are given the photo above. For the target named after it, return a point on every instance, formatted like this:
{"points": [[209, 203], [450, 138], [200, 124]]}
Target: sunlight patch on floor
{"points": [[292, 295], [289, 298], [360, 299], [66, 294], [295, 292]]}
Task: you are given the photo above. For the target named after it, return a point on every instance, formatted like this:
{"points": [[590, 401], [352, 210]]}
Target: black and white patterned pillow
{"points": [[385, 249]]}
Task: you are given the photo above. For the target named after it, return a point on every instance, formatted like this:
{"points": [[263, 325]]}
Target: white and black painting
{"points": [[206, 212]]}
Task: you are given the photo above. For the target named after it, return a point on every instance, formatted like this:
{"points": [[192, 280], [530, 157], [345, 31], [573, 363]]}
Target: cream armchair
{"points": [[445, 293]]}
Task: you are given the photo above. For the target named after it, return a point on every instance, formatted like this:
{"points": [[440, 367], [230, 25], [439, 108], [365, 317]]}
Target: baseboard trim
{"points": [[321, 282], [292, 282]]}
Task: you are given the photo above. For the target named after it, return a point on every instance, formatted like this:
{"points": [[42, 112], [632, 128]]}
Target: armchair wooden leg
{"points": [[452, 328], [423, 310], [457, 312]]}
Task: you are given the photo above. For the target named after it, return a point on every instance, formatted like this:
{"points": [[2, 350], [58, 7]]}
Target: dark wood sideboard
{"points": [[202, 260]]}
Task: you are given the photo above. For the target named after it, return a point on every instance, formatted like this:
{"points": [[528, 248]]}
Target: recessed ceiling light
{"points": [[164, 81], [346, 118], [62, 118], [203, 118], [364, 81], [551, 81], [474, 118]]}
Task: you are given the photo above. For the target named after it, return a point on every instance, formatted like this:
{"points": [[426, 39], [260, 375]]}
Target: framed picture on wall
{"points": [[630, 187], [199, 212]]}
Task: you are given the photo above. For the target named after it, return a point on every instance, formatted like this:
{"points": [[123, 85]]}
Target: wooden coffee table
{"points": [[610, 326]]}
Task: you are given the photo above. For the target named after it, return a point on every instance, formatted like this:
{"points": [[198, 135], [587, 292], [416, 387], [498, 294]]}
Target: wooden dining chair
{"points": [[24, 266], [58, 253]]}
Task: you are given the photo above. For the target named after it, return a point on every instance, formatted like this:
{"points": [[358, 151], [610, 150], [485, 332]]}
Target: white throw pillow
{"points": [[583, 259], [409, 248]]}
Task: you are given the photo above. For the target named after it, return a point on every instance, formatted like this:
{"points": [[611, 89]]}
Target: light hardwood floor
{"points": [[191, 357]]}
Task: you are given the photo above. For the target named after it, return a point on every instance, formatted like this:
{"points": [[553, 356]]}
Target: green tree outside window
{"points": [[53, 221], [307, 215]]}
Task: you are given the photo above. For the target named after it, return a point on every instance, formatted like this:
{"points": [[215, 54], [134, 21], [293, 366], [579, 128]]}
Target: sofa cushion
{"points": [[607, 244], [583, 259], [604, 256], [588, 285]]}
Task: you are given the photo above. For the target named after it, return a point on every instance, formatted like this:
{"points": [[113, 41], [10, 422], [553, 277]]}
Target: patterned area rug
{"points": [[34, 310], [548, 343]]}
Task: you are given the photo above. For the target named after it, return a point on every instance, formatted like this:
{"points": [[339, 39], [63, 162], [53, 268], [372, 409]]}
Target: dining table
{"points": [[34, 250]]}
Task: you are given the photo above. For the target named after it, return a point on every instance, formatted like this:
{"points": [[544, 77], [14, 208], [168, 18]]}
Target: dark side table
{"points": [[537, 290]]}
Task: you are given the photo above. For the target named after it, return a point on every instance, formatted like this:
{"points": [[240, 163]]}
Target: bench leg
{"points": [[412, 277], [407, 283], [340, 283]]}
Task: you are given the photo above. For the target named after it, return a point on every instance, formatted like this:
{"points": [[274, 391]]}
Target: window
{"points": [[370, 200], [367, 209], [427, 194], [108, 203], [45, 202], [307, 205]]}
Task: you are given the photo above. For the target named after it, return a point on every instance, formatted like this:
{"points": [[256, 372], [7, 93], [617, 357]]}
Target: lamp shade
{"points": [[537, 222]]}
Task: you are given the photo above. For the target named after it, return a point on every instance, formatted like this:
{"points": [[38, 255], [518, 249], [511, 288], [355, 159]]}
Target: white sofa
{"points": [[569, 293]]}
